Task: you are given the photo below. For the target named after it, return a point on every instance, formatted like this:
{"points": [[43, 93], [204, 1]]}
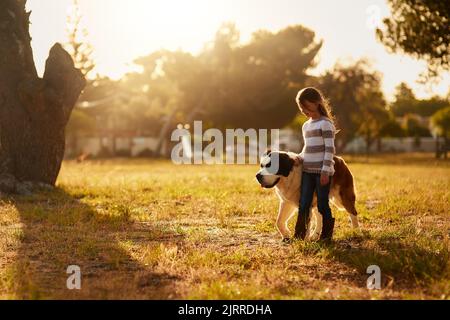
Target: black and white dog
{"points": [[280, 171]]}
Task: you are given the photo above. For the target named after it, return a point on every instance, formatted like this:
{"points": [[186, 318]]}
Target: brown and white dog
{"points": [[280, 171]]}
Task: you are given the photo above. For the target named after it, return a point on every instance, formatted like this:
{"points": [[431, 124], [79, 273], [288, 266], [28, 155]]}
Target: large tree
{"points": [[230, 84], [34, 111], [372, 118], [256, 88], [357, 100], [419, 28], [405, 100]]}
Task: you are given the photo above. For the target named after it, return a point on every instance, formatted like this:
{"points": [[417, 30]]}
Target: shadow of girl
{"points": [[59, 230]]}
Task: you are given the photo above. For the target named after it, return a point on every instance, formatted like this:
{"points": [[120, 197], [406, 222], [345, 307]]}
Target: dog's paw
{"points": [[314, 236]]}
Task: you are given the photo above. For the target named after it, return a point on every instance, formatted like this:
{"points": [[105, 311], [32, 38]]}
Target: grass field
{"points": [[148, 229]]}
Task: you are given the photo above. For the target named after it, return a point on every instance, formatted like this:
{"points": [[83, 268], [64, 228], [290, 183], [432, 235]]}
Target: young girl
{"points": [[317, 157]]}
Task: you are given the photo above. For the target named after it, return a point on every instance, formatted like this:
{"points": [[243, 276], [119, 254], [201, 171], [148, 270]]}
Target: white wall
{"points": [[93, 146], [288, 140], [407, 144]]}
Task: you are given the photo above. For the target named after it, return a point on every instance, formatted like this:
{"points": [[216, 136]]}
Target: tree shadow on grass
{"points": [[404, 265], [59, 230]]}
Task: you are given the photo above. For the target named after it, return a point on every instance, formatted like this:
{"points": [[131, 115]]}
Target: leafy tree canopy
{"points": [[419, 28]]}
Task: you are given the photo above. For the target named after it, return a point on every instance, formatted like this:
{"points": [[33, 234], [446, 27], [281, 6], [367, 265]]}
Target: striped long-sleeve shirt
{"points": [[318, 150]]}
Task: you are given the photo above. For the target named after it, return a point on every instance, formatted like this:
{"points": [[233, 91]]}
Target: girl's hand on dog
{"points": [[298, 160]]}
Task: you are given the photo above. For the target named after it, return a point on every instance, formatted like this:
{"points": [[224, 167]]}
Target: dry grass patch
{"points": [[153, 230]]}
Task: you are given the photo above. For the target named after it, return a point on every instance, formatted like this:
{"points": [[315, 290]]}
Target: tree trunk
{"points": [[33, 111], [368, 144], [163, 133], [437, 146], [379, 145]]}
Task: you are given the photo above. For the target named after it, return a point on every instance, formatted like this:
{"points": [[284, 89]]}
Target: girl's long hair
{"points": [[314, 95]]}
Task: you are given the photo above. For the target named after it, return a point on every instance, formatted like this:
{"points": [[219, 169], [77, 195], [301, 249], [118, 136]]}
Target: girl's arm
{"points": [[301, 156], [328, 134]]}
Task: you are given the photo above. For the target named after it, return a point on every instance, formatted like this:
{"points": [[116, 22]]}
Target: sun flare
{"points": [[121, 31]]}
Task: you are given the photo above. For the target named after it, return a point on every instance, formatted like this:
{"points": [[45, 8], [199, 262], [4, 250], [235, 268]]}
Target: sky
{"points": [[121, 31]]}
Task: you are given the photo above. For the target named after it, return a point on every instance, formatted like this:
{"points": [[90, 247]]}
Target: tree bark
{"points": [[33, 111]]}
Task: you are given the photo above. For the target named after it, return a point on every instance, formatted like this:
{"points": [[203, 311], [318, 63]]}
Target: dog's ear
{"points": [[286, 163], [267, 152]]}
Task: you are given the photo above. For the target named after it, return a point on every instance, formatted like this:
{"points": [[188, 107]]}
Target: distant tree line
{"points": [[253, 85]]}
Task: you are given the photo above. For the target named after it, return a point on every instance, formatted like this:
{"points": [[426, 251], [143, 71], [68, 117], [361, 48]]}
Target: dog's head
{"points": [[275, 165]]}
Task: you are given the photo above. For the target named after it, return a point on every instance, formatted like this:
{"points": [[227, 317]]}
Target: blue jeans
{"points": [[311, 183]]}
